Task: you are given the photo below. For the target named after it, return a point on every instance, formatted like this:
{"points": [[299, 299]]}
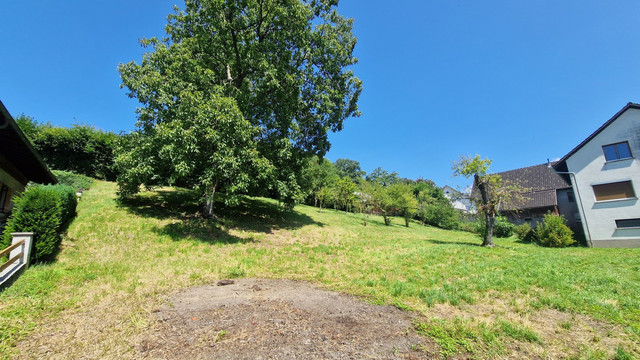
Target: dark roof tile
{"points": [[540, 183]]}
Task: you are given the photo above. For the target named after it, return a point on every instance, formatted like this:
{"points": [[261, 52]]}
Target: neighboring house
{"points": [[544, 192], [605, 173], [19, 163], [458, 200]]}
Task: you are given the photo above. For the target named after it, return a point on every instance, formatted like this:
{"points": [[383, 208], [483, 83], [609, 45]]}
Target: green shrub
{"points": [[68, 201], [37, 210], [554, 232], [42, 210], [440, 214], [503, 228], [524, 232], [74, 180]]}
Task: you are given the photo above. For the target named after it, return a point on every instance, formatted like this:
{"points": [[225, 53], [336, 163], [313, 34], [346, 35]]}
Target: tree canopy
{"points": [[349, 168], [284, 64], [383, 177]]}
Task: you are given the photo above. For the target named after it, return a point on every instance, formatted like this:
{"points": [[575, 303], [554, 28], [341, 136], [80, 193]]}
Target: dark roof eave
{"points": [[45, 174], [560, 164]]}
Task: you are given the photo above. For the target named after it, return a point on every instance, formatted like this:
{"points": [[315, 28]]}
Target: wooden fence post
{"points": [[25, 248]]}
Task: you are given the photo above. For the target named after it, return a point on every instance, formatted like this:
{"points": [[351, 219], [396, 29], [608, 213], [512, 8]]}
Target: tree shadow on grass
{"points": [[162, 204], [182, 205], [263, 216], [441, 242]]}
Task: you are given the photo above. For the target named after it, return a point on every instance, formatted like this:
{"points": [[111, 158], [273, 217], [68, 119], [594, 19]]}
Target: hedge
{"points": [[77, 181], [45, 211]]}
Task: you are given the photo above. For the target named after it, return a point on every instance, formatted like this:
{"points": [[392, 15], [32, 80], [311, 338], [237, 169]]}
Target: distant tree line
{"points": [[345, 186]]}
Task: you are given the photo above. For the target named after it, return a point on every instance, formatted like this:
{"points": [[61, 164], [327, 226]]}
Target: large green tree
{"points": [[286, 64], [208, 146]]}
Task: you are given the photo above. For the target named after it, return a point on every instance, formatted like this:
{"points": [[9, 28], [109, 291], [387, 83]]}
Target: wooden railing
{"points": [[13, 259], [18, 252]]}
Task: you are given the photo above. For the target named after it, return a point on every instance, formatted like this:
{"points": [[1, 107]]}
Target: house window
{"points": [[614, 191], [628, 223], [617, 151]]}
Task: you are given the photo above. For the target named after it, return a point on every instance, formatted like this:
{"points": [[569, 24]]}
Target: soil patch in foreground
{"points": [[267, 319]]}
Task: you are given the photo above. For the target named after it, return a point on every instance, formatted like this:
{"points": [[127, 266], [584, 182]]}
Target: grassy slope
{"points": [[119, 260]]}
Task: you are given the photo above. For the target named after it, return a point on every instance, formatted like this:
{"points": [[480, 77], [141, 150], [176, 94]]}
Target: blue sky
{"points": [[516, 81]]}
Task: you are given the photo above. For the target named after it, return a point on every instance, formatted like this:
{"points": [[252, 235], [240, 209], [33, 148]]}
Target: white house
{"points": [[458, 200], [604, 171]]}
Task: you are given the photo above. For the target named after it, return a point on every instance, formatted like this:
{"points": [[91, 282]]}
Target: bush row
{"points": [[45, 211], [551, 232], [74, 180]]}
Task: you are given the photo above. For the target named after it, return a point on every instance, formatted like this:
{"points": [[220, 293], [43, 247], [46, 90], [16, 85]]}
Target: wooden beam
{"points": [[11, 261], [13, 246]]}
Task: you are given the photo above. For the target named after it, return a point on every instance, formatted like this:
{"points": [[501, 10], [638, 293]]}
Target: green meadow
{"points": [[119, 261]]}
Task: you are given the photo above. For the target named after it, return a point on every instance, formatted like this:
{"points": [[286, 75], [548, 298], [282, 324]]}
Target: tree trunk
{"points": [[488, 231], [208, 202], [489, 215], [406, 221]]}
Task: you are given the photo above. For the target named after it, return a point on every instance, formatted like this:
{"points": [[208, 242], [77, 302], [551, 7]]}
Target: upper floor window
{"points": [[614, 191], [617, 151]]}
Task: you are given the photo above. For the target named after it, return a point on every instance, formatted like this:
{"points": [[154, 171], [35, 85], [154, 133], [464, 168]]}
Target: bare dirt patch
{"points": [[260, 319]]}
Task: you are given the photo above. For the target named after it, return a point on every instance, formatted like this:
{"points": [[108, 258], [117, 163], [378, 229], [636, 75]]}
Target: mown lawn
{"points": [[120, 260]]}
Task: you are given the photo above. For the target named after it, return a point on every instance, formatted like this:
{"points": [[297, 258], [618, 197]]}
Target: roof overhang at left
{"points": [[16, 149]]}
